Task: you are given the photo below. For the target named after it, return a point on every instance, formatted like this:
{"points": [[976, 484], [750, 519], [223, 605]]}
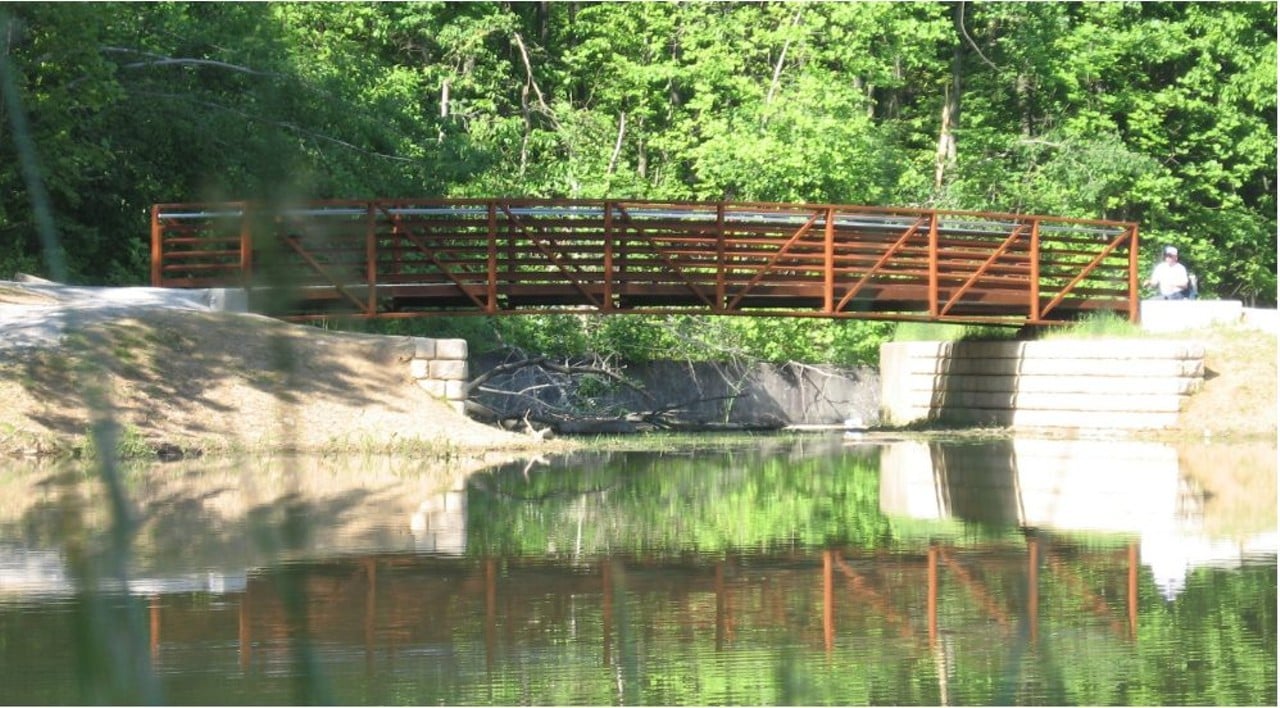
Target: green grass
{"points": [[1094, 326], [938, 331], [683, 442], [1099, 325], [130, 444]]}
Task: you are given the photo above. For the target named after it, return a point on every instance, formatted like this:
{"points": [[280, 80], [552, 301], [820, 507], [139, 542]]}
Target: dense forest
{"points": [[1162, 113]]}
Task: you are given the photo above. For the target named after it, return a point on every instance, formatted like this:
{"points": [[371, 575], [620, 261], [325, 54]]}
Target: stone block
{"points": [[1081, 420], [1057, 349], [451, 349], [1187, 361], [1112, 349], [1094, 420], [424, 348], [1096, 385], [419, 368], [433, 387], [455, 390], [895, 366], [449, 369], [1016, 400]]}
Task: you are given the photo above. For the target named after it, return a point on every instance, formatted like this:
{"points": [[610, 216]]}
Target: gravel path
{"points": [[37, 314]]}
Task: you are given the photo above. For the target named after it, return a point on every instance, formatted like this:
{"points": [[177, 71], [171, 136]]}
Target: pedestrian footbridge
{"points": [[415, 258]]}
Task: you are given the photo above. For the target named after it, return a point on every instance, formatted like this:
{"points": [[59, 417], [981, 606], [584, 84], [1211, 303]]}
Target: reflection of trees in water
{"points": [[598, 503]]}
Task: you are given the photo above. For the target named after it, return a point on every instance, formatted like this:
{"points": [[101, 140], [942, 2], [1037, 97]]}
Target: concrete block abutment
{"points": [[1084, 384], [440, 367]]}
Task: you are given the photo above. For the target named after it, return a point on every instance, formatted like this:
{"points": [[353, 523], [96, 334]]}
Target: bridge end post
{"points": [[1033, 295], [491, 256], [371, 256], [1135, 308], [720, 258], [933, 263], [157, 246], [829, 262], [246, 245], [607, 304]]}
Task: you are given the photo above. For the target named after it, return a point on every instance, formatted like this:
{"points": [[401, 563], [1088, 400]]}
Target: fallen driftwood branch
{"points": [[604, 395], [552, 398], [544, 362]]}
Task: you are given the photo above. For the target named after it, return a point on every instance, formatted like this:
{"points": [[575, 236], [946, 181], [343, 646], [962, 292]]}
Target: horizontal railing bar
{"points": [[843, 216]]}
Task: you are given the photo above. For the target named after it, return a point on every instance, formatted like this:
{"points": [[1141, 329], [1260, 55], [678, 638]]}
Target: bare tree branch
{"points": [[529, 82], [650, 416], [544, 363], [617, 144], [782, 57], [969, 39], [162, 60], [500, 369]]}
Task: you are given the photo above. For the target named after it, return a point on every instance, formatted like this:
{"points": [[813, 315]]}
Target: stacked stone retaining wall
{"points": [[440, 367], [1095, 384]]}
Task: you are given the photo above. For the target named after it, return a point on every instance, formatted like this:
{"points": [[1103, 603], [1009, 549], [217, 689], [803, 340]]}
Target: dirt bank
{"points": [[182, 378], [176, 376]]}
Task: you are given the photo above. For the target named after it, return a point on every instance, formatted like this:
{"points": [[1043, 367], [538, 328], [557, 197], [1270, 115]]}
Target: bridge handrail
{"points": [[763, 210]]}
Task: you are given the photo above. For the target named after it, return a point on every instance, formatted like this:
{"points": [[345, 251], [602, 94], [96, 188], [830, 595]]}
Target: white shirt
{"points": [[1170, 277]]}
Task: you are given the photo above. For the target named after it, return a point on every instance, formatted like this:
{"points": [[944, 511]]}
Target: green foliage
{"points": [[1159, 112], [844, 342]]}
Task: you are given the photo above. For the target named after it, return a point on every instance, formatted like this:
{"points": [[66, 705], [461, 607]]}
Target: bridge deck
{"points": [[495, 257]]}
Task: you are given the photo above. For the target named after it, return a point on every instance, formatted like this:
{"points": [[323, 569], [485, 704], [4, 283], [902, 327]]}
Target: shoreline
{"points": [[180, 379]]}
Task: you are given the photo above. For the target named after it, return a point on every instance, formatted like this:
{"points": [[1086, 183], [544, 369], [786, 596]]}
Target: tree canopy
{"points": [[1162, 113]]}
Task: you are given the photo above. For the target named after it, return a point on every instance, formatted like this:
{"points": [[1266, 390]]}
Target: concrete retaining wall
{"points": [[1180, 315], [711, 394], [1097, 384], [440, 367]]}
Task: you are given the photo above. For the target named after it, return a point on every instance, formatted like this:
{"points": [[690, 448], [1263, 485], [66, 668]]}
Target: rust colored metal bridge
{"points": [[407, 258]]}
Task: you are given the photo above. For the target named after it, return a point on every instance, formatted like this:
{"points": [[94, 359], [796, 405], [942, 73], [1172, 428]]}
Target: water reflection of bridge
{"points": [[392, 603], [1052, 488]]}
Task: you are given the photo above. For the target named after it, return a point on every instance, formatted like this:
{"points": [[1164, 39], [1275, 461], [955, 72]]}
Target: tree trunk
{"points": [[950, 119], [946, 156], [1022, 88]]}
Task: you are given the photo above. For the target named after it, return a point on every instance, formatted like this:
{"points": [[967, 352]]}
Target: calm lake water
{"points": [[811, 570]]}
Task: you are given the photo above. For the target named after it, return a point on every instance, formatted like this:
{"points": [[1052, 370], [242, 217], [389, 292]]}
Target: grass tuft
{"points": [[942, 332], [1096, 326]]}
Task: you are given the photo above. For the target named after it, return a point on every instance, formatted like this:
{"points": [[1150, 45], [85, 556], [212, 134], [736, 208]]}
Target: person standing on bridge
{"points": [[1170, 277]]}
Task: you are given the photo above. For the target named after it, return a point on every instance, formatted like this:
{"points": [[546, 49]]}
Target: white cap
{"points": [[1170, 251]]}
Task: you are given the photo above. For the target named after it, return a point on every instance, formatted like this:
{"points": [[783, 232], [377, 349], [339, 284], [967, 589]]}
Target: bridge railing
{"points": [[390, 258]]}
